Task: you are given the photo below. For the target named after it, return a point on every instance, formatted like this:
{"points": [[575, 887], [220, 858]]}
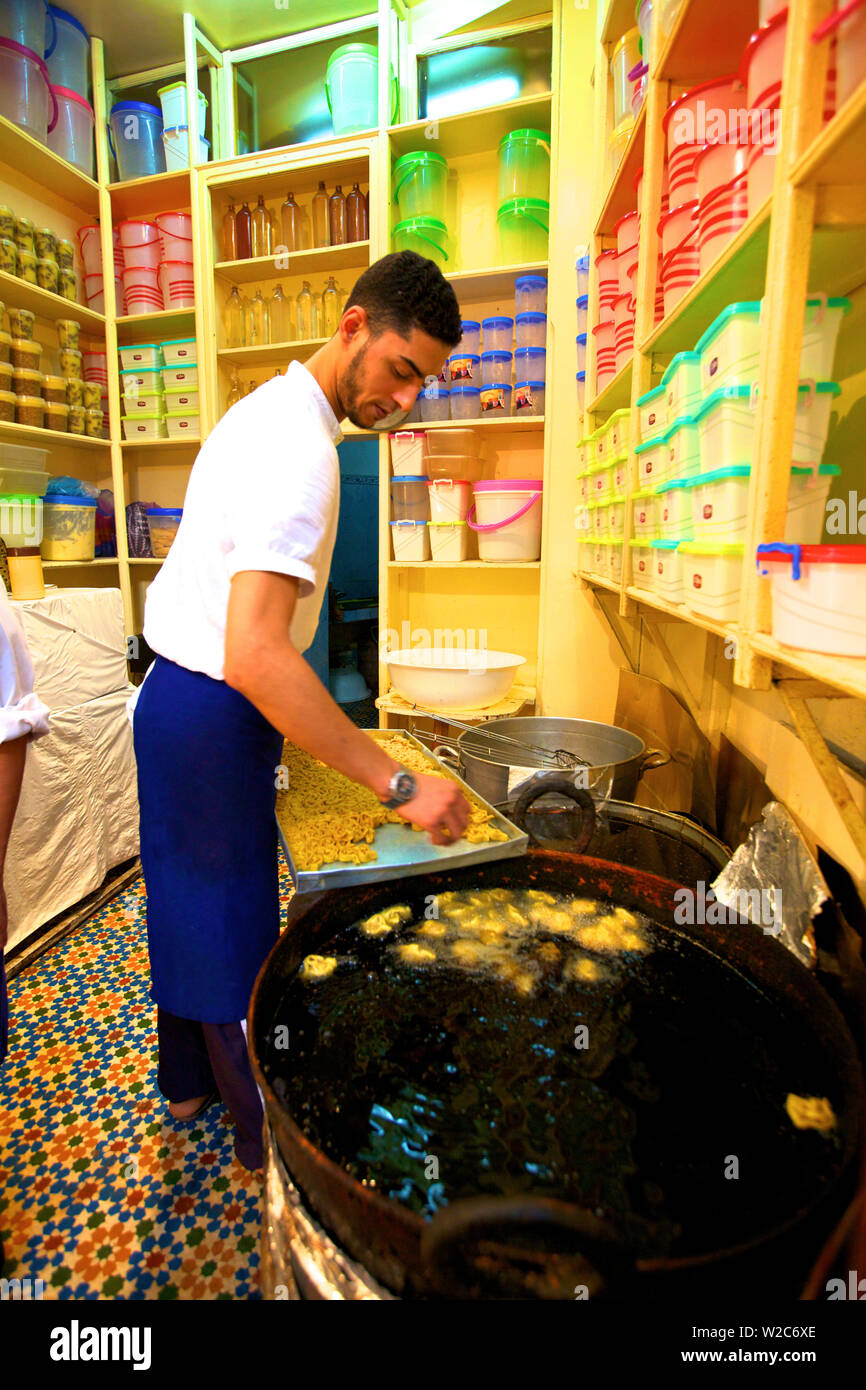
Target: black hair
{"points": [[405, 291]]}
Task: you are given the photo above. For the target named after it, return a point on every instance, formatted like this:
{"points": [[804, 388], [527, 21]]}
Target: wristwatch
{"points": [[402, 788]]}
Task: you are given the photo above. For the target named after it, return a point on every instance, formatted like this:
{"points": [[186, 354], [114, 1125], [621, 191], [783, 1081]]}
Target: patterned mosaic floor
{"points": [[102, 1193]]}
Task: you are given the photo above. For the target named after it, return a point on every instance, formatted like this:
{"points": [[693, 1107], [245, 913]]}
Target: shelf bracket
{"points": [[828, 769], [617, 628]]}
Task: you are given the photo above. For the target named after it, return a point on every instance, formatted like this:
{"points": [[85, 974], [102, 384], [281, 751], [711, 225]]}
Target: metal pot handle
{"points": [[655, 757], [579, 835], [467, 1244], [447, 755]]}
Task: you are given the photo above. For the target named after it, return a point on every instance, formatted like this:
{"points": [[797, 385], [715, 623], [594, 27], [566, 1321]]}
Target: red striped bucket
{"points": [[723, 195], [699, 117], [608, 278], [178, 286], [626, 231], [623, 331], [681, 263], [605, 352]]}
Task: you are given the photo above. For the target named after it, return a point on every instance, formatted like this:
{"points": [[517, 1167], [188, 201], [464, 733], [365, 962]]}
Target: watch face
{"points": [[404, 786]]}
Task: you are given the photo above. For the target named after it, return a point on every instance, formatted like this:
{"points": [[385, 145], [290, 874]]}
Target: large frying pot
{"points": [[535, 1247], [616, 758]]}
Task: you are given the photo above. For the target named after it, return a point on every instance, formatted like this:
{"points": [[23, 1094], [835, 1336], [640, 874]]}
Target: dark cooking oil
{"points": [[653, 1096]]}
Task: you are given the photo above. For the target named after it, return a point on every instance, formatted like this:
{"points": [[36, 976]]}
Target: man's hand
{"points": [[439, 807]]}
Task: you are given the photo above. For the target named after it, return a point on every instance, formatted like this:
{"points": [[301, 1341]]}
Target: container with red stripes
{"points": [[88, 245], [141, 290], [94, 292], [701, 116], [605, 353], [723, 206], [626, 232], [681, 265], [94, 366], [608, 280], [176, 281], [764, 56], [623, 332], [175, 234]]}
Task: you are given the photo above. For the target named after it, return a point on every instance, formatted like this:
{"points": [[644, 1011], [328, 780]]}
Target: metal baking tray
{"points": [[403, 852]]}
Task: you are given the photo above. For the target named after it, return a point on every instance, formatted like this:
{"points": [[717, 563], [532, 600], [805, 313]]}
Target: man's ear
{"points": [[354, 321]]}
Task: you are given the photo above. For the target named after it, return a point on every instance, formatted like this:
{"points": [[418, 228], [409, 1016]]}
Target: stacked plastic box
{"points": [[159, 390], [603, 478]]}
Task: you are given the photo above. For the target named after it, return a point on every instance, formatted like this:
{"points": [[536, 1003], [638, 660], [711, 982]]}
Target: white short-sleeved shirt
{"points": [[21, 712], [264, 494]]}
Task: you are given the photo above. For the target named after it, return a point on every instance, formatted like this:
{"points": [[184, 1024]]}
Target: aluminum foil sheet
{"points": [[773, 881]]}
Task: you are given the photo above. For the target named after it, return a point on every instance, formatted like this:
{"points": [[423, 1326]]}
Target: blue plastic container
{"points": [[495, 367], [530, 364], [67, 51], [26, 22], [136, 139]]}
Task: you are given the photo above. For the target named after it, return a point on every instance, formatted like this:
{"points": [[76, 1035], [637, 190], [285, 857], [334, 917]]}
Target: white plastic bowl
{"points": [[454, 680]]}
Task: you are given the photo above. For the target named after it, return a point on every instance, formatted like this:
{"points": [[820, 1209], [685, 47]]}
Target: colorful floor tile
{"points": [[102, 1193]]}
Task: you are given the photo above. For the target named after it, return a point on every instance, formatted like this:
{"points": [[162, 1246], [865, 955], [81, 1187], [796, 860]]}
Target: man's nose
{"points": [[406, 396]]}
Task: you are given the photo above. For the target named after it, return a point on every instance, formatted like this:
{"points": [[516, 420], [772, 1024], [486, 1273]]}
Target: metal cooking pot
{"points": [[617, 759]]}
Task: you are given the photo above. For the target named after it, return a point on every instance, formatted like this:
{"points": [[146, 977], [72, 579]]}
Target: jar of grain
{"points": [[67, 332], [27, 266], [48, 274], [56, 415], [22, 323], [54, 389], [5, 347], [26, 352], [30, 410], [26, 381], [76, 419], [93, 423], [8, 402]]}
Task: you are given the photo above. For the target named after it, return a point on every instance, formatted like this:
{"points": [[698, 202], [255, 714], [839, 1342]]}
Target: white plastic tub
{"points": [[498, 333], [642, 563], [619, 474], [820, 332], [600, 482], [611, 551], [673, 512], [151, 402], [137, 380], [667, 570], [720, 503], [684, 448], [176, 378], [819, 596], [727, 424], [408, 452], [450, 499], [178, 351], [616, 517], [583, 486], [712, 578], [72, 136], [652, 461], [182, 424], [143, 425], [652, 412], [807, 503], [445, 678], [449, 541], [141, 355], [187, 400], [644, 504], [176, 142], [172, 99], [682, 385], [595, 518], [530, 330], [411, 541], [508, 521], [730, 348]]}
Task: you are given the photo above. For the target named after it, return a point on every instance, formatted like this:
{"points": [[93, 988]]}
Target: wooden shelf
{"points": [[739, 273], [707, 40], [836, 154], [598, 581], [146, 197], [621, 197], [20, 294], [32, 434], [78, 564], [161, 444], [846, 673], [618, 19], [463, 565], [517, 697], [135, 328], [143, 560], [269, 353], [679, 610], [472, 132], [320, 261], [491, 282], [27, 157], [617, 394], [507, 422]]}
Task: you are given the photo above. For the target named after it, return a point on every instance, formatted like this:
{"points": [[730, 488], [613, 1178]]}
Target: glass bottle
{"points": [[251, 388], [366, 214], [273, 233], [355, 210], [321, 216], [305, 313], [343, 296], [331, 308], [318, 315], [243, 220], [233, 320], [259, 231], [337, 216], [230, 235], [235, 391], [281, 324], [257, 321], [290, 220]]}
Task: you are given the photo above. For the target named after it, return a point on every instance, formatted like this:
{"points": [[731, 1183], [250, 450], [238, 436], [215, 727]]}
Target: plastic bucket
{"points": [[89, 247], [94, 292], [508, 521], [68, 52], [426, 236], [175, 235], [26, 22], [626, 56], [608, 278], [176, 142], [72, 136], [137, 233], [819, 596], [623, 331], [141, 290], [352, 88], [69, 528], [449, 541], [172, 99], [524, 165], [408, 453], [450, 499], [627, 230], [681, 264], [149, 253], [763, 60], [177, 284], [605, 352], [409, 498], [849, 24], [26, 98], [523, 225], [136, 139], [411, 540], [703, 112], [722, 173], [420, 181]]}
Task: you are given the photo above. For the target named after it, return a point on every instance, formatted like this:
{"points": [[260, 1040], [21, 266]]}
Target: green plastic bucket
{"points": [[351, 86], [426, 236], [523, 224], [420, 181], [524, 165]]}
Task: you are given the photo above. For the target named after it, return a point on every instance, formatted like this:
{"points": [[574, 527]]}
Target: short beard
{"points": [[350, 391]]}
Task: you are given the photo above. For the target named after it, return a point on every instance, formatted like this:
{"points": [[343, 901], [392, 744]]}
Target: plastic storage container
{"points": [[495, 367], [69, 528], [72, 135], [449, 541], [625, 57], [819, 596], [420, 183], [182, 424], [434, 402], [408, 453], [528, 398], [162, 522], [508, 521], [22, 470], [530, 364], [580, 344], [464, 366], [26, 98], [470, 343], [172, 99], [351, 88], [644, 522], [712, 578], [144, 425], [530, 294], [524, 165], [667, 577], [179, 377], [496, 399], [68, 53], [176, 143], [26, 22], [581, 392], [140, 355], [673, 509], [450, 498], [409, 498], [465, 402], [149, 402], [426, 236], [177, 284], [178, 351], [175, 235], [730, 348], [411, 541], [498, 333], [523, 225], [136, 139], [642, 562], [530, 330]]}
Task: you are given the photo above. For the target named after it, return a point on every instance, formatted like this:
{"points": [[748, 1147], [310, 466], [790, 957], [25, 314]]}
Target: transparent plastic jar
{"points": [[495, 400], [530, 330], [434, 403], [471, 340], [498, 334], [530, 364], [530, 294], [465, 402], [495, 366]]}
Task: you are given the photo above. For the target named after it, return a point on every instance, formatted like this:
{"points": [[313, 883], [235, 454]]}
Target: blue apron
{"points": [[206, 786]]}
